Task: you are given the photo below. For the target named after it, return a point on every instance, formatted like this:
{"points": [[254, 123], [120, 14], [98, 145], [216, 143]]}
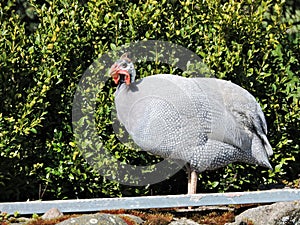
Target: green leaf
{"points": [[33, 130]]}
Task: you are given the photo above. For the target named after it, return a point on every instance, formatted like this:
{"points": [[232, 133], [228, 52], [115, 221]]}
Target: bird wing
{"points": [[242, 120]]}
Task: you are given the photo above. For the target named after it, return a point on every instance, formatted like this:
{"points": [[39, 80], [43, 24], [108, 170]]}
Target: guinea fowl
{"points": [[205, 122]]}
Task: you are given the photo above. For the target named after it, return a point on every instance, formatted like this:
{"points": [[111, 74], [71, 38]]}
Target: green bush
{"points": [[47, 45]]}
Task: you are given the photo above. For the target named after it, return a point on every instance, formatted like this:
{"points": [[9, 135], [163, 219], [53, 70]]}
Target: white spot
{"points": [[93, 221], [112, 219]]}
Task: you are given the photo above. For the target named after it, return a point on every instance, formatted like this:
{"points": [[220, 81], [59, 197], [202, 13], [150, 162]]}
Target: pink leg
{"points": [[192, 180]]}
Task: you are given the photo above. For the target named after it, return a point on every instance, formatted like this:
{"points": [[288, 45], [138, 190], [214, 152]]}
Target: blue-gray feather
{"points": [[204, 121]]}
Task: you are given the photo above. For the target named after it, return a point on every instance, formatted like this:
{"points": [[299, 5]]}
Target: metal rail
{"points": [[169, 201]]}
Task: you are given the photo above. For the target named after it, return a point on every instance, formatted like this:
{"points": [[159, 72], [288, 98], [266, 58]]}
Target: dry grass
{"points": [[164, 217], [215, 218], [150, 218]]}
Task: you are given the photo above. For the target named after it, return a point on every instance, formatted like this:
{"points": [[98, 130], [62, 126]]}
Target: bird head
{"points": [[122, 71]]}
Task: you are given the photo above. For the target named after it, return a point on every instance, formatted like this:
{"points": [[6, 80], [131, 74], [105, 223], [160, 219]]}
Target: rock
{"points": [[135, 219], [103, 219], [52, 214], [282, 213], [184, 221], [19, 221]]}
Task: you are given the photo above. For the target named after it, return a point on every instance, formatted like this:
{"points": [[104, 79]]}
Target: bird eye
{"points": [[124, 65]]}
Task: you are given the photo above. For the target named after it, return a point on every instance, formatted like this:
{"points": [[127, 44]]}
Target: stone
{"points": [[282, 213], [184, 221], [52, 214], [131, 218], [19, 221], [103, 219]]}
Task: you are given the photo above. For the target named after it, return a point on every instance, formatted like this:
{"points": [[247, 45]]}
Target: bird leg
{"points": [[192, 183], [192, 180]]}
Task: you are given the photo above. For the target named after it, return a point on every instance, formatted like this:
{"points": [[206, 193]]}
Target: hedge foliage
{"points": [[47, 45]]}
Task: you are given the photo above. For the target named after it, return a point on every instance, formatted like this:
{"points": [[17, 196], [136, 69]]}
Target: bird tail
{"points": [[259, 144], [267, 145]]}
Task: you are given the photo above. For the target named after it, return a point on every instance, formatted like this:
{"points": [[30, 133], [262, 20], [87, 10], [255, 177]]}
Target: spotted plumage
{"points": [[206, 122]]}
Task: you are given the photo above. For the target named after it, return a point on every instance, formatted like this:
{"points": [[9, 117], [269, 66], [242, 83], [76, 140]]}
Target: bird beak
{"points": [[115, 73]]}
